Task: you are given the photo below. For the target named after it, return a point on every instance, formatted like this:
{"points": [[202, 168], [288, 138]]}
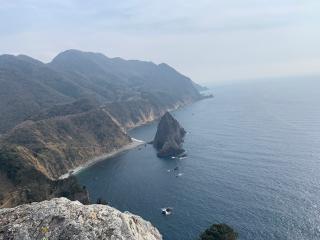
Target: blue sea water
{"points": [[253, 163]]}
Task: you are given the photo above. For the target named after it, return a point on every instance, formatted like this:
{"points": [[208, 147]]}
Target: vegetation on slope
{"points": [[26, 184], [59, 144], [28, 86], [55, 117]]}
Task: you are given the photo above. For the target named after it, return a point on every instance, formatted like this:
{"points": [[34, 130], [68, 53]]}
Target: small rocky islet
{"points": [[169, 137]]}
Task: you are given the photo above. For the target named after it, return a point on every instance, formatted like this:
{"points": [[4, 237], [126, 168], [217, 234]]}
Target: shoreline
{"points": [[135, 143]]}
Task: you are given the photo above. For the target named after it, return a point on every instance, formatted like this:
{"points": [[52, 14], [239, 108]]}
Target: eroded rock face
{"points": [[61, 218], [169, 137]]}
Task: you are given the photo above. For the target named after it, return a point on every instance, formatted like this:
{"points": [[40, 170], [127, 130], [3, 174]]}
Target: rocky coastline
{"points": [[133, 144], [61, 117]]}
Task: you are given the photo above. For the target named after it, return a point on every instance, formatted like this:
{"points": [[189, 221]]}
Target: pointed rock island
{"points": [[169, 137]]}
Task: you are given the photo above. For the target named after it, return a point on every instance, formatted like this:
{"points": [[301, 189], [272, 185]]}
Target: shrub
{"points": [[219, 232]]}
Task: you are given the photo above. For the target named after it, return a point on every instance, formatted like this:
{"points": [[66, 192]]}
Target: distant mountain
{"points": [[27, 86], [119, 79], [55, 117], [199, 87]]}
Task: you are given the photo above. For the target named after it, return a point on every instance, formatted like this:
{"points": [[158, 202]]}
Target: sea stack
{"points": [[169, 137]]}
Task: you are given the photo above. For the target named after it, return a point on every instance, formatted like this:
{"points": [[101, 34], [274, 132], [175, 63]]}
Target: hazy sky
{"points": [[208, 40]]}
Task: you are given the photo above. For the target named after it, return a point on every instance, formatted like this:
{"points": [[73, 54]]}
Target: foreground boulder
{"points": [[169, 137], [61, 218]]}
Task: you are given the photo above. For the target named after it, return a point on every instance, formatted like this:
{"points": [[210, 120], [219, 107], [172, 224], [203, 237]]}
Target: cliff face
{"points": [[59, 144], [63, 219], [22, 183], [35, 153], [57, 116], [61, 138], [169, 137], [137, 112]]}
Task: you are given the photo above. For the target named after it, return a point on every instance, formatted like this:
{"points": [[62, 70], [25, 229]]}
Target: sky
{"points": [[211, 41]]}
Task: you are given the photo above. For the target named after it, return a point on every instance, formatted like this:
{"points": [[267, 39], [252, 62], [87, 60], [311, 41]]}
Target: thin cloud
{"points": [[209, 40]]}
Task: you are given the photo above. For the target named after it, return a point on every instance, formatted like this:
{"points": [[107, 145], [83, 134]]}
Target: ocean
{"points": [[253, 163]]}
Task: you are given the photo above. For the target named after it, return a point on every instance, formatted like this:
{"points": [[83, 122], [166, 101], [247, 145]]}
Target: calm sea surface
{"points": [[253, 163]]}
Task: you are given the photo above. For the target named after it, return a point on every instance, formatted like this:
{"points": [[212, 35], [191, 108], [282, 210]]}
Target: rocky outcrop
{"points": [[169, 137], [63, 219], [35, 154], [21, 182], [56, 117], [38, 151], [56, 145], [133, 113]]}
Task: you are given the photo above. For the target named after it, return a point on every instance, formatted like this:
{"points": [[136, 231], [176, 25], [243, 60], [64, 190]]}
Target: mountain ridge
{"points": [[50, 114], [27, 86]]}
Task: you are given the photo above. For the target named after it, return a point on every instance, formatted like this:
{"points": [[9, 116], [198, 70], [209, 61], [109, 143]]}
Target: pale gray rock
{"points": [[61, 218]]}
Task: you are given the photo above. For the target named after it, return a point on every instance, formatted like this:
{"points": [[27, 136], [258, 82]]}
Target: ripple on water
{"points": [[253, 161]]}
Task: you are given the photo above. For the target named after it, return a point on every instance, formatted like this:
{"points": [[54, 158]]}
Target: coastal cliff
{"points": [[169, 137], [134, 113], [63, 138], [56, 145], [63, 219], [57, 117], [35, 154], [21, 182]]}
